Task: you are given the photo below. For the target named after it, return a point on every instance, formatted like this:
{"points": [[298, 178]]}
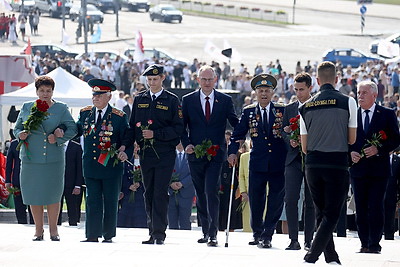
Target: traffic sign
{"points": [[363, 9]]}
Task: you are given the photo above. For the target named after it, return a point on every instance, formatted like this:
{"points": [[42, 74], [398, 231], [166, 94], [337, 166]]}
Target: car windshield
{"points": [[168, 8], [91, 8]]}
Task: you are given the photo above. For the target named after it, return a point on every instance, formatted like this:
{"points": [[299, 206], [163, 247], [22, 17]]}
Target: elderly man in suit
{"points": [[294, 170], [103, 128], [377, 136], [181, 193], [263, 120], [205, 113]]}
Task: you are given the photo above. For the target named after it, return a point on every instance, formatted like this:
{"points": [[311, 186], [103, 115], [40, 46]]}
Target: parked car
{"points": [[165, 13], [92, 13], [136, 5], [101, 52], [347, 56], [103, 5], [17, 5], [158, 54], [53, 7], [394, 38], [52, 49]]}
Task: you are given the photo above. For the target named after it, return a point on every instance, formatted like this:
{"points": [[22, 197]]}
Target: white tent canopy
{"points": [[68, 89]]}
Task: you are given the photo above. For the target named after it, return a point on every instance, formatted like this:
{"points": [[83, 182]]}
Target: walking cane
{"points": [[230, 207]]}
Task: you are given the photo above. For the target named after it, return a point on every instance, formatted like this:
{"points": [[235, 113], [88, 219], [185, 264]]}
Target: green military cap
{"points": [[263, 80], [100, 86], [154, 70]]}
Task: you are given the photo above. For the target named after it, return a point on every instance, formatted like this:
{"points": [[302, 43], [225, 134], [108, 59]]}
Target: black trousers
{"points": [[73, 206], [328, 189], [294, 177], [156, 177], [369, 194], [390, 208], [206, 181], [20, 211]]}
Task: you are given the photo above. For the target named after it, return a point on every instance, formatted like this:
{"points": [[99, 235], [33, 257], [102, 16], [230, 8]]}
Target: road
{"points": [[315, 32]]}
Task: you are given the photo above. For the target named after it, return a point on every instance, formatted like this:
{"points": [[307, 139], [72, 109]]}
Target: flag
{"points": [[97, 35], [28, 49], [235, 57], [7, 5], [65, 37], [214, 51], [138, 55]]}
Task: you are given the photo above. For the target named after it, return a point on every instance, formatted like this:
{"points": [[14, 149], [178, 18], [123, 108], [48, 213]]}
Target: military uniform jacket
{"points": [[269, 150], [163, 116], [113, 126]]}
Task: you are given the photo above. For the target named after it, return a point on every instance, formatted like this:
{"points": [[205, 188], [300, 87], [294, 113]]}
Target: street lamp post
{"points": [[294, 10], [63, 20], [116, 9]]}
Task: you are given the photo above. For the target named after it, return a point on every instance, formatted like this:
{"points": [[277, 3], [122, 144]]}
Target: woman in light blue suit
{"points": [[43, 160]]}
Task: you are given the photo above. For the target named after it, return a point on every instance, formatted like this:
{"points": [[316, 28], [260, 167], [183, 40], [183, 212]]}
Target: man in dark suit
{"points": [[294, 170], [13, 165], [73, 180], [391, 197], [181, 193], [128, 107], [263, 120], [371, 164], [205, 114], [103, 128]]}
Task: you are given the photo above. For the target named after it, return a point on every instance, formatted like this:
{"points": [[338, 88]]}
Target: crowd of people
{"points": [[145, 152], [11, 26]]}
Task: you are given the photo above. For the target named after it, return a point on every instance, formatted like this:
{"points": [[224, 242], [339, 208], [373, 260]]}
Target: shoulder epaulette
{"points": [[86, 108], [250, 106], [279, 105], [118, 112]]}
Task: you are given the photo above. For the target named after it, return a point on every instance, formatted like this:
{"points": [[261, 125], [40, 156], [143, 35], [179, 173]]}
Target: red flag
{"points": [[28, 49], [139, 47]]}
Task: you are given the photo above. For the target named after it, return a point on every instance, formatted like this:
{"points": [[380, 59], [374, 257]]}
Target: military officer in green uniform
{"points": [[156, 124], [103, 128]]}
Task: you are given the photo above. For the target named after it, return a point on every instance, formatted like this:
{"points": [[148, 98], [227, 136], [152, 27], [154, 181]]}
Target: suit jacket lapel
{"points": [[216, 105], [198, 106], [375, 118]]}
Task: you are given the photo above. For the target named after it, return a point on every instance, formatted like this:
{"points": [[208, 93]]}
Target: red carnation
{"points": [[150, 122], [138, 124], [107, 145], [294, 126], [42, 105], [383, 135]]}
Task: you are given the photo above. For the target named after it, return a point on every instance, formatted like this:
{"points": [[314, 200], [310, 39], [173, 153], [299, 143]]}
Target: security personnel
{"points": [[103, 128], [156, 125], [263, 121], [328, 123]]}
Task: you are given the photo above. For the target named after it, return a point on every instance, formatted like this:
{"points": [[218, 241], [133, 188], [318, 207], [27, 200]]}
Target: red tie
{"points": [[208, 109]]}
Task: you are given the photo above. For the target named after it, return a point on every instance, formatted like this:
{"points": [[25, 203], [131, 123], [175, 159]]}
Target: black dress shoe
{"points": [[107, 240], [255, 242], [265, 244], [159, 242], [294, 245], [55, 238], [90, 240], [364, 250], [373, 251], [38, 238], [203, 239], [307, 246], [148, 242], [212, 243]]}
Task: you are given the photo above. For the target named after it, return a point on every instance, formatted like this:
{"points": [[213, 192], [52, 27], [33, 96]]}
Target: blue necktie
{"points": [[366, 121]]}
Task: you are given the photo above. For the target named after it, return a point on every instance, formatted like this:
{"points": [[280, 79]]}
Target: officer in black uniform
{"points": [[103, 128], [328, 124], [156, 124]]}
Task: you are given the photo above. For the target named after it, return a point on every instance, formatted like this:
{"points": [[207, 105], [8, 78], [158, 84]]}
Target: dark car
{"points": [[136, 5], [92, 12], [395, 39], [347, 56], [52, 50], [103, 5], [165, 13]]}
